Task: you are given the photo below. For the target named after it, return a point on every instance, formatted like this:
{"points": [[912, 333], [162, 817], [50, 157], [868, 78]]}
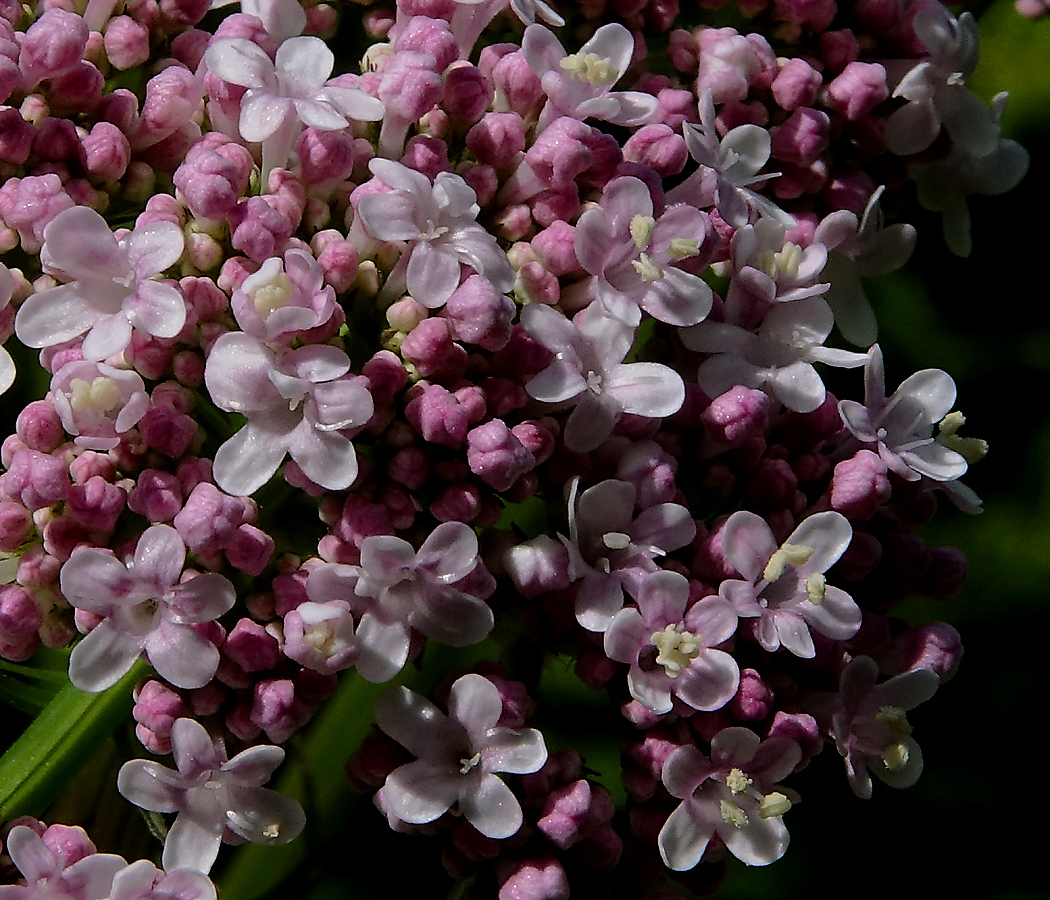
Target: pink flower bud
{"points": [[53, 43], [251, 647], [574, 812], [496, 456], [516, 83], [423, 34], [803, 137], [276, 709], [96, 504], [126, 43], [36, 479], [860, 486], [658, 147], [468, 93], [16, 136], [438, 416], [156, 708], [459, 502], [857, 90], [20, 617], [737, 416], [936, 646], [497, 139], [213, 176], [428, 346], [479, 314], [250, 550], [838, 49], [797, 84]]}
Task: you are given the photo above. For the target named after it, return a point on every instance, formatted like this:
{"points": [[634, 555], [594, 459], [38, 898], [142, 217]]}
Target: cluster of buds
{"points": [[511, 333]]}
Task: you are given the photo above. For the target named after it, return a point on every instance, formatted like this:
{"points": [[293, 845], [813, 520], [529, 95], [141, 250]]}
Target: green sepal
{"points": [[52, 750]]}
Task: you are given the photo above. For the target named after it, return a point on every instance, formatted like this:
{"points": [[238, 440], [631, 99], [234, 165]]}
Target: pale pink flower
{"points": [[49, 878], [111, 285], [579, 85], [457, 757], [296, 404], [439, 224], [98, 403], [588, 373], [671, 648], [870, 728], [784, 587], [287, 93], [213, 796], [734, 795], [398, 590], [633, 254], [144, 608]]}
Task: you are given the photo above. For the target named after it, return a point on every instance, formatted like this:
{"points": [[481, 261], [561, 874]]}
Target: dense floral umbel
{"points": [[493, 339]]}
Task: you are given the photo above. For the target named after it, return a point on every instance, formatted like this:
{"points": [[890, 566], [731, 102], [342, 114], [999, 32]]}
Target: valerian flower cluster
{"points": [[492, 334]]}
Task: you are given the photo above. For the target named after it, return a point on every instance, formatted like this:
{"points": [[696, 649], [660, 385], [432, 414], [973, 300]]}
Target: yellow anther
{"points": [[737, 781], [589, 67], [775, 804], [732, 814], [272, 831], [100, 395], [896, 756], [683, 248], [274, 294], [647, 269], [895, 720], [616, 540], [642, 230], [782, 262], [971, 449], [676, 649], [788, 555], [816, 588]]}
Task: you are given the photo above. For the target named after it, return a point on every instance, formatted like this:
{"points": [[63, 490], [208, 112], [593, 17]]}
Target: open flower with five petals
{"points": [[578, 84], [287, 93], [784, 588], [398, 590], [633, 255], [144, 607], [734, 794], [457, 757], [438, 222], [111, 289], [672, 649], [588, 373], [213, 796], [297, 404]]}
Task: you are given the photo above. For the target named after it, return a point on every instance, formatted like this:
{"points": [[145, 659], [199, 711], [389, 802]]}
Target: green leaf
{"points": [[50, 752]]}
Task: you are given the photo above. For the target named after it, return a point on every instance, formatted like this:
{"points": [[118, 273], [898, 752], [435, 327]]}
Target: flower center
{"points": [[322, 637], [590, 67], [274, 294], [465, 765], [676, 649], [101, 395], [782, 262]]}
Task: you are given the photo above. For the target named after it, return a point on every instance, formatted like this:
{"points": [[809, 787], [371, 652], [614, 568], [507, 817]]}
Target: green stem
{"points": [[50, 752]]}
